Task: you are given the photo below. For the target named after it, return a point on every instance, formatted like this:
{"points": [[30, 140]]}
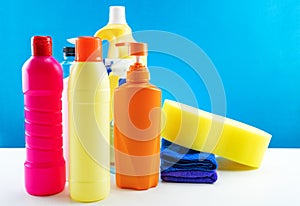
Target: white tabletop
{"points": [[277, 182]]}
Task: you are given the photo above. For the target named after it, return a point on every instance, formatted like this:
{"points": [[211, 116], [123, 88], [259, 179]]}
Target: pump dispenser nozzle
{"points": [[135, 49], [138, 50]]}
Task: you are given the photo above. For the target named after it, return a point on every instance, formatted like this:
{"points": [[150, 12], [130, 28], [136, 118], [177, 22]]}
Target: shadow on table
{"points": [[228, 165]]}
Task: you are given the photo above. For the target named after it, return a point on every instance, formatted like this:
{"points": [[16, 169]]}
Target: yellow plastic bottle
{"points": [[116, 31], [89, 102]]}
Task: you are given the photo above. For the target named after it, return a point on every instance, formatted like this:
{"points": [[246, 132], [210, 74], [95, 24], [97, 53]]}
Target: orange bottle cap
{"points": [[88, 49]]}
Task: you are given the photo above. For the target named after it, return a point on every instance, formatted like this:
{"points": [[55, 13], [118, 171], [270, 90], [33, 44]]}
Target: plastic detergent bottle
{"points": [[42, 87], [137, 126], [117, 30], [88, 101], [69, 56]]}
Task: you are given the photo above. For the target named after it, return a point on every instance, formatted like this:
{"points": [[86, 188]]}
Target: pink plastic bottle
{"points": [[45, 172]]}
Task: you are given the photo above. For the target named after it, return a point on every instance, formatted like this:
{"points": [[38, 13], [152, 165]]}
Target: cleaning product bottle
{"points": [[69, 56], [117, 30], [42, 87], [89, 101], [137, 126]]}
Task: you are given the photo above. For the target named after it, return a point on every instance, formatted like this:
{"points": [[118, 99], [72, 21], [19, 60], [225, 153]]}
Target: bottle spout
{"points": [[137, 49]]}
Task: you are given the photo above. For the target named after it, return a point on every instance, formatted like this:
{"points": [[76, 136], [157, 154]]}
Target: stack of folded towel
{"points": [[180, 164]]}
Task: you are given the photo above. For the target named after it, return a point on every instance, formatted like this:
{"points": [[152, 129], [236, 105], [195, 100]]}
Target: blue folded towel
{"points": [[180, 164], [190, 176]]}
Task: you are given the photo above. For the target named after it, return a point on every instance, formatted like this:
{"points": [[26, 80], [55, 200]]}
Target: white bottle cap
{"points": [[117, 15]]}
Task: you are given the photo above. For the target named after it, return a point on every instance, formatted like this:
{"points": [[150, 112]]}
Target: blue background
{"points": [[255, 46]]}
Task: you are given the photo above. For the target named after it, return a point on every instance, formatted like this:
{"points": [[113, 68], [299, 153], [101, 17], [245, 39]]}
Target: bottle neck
{"points": [[117, 15], [138, 77], [138, 73]]}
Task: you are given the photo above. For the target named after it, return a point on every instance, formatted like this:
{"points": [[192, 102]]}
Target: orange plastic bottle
{"points": [[137, 119]]}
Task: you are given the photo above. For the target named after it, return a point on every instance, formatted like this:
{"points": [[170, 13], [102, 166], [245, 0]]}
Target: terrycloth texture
{"points": [[180, 164], [168, 166], [190, 176]]}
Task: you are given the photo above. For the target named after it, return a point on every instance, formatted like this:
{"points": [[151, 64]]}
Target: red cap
{"points": [[41, 46], [88, 49]]}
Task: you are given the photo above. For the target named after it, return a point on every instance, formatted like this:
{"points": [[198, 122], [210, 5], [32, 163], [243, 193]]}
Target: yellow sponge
{"points": [[199, 130]]}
